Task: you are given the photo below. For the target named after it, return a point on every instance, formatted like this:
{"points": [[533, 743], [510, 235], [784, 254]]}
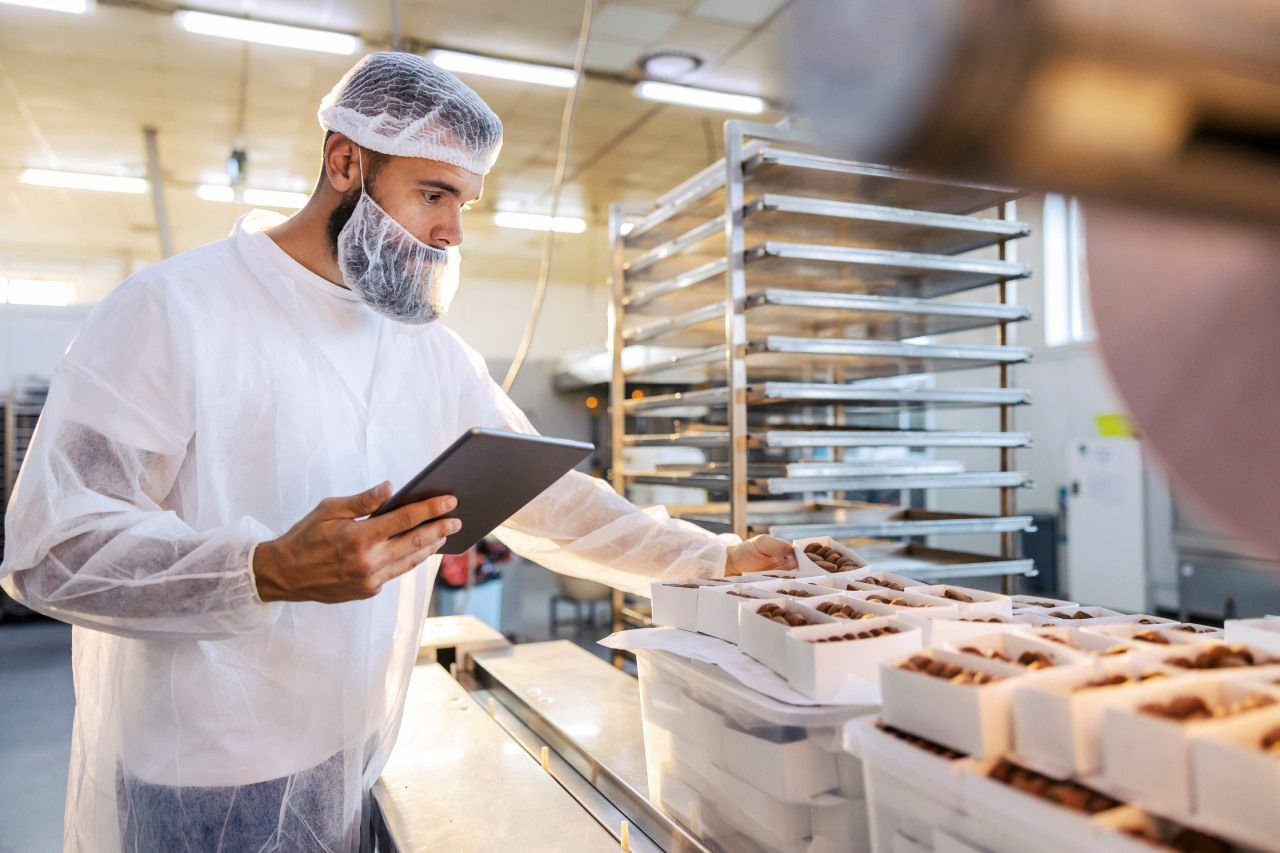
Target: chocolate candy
{"points": [[682, 585], [1221, 656], [1034, 660], [992, 654], [1148, 622], [927, 745], [1195, 629], [887, 584], [1181, 839], [1186, 708], [783, 616], [861, 635], [1120, 678], [1271, 741], [897, 601], [734, 592], [797, 593], [941, 669], [827, 558], [844, 611], [1079, 614], [1151, 637], [995, 619], [1038, 604], [1070, 795], [957, 595]]}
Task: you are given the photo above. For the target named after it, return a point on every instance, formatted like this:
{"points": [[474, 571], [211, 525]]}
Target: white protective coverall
{"points": [[209, 403]]}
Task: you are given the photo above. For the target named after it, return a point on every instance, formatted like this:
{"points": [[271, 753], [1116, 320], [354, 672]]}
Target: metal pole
{"points": [[395, 25], [157, 192], [735, 325], [1008, 544], [617, 388]]}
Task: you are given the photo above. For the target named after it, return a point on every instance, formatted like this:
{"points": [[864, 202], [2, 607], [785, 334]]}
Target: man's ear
{"points": [[341, 163]]}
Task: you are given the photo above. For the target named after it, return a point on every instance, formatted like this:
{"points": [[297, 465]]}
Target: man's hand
{"points": [[759, 554], [330, 557]]}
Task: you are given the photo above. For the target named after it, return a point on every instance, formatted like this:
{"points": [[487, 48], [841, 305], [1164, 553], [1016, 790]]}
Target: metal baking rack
{"points": [[783, 312]]}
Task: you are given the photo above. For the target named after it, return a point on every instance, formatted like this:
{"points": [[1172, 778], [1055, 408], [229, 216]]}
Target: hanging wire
{"points": [[557, 184]]}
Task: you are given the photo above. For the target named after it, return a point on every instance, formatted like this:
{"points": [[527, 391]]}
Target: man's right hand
{"points": [[331, 557]]}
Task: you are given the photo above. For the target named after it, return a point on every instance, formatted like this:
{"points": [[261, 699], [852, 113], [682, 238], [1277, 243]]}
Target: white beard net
{"points": [[393, 272], [403, 105]]}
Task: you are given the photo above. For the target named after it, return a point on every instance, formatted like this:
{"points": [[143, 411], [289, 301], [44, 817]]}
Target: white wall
{"points": [[33, 339]]}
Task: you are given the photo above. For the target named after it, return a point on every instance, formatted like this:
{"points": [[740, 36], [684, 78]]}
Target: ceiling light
{"points": [[82, 181], [33, 291], [276, 198], [215, 192], [261, 32], [670, 64], [75, 7], [669, 93], [539, 222], [504, 69]]}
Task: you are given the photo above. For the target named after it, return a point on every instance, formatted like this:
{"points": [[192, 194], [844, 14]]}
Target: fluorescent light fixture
{"points": [[275, 198], [261, 32], [34, 291], [75, 7], [539, 222], [82, 181], [504, 69], [215, 192], [670, 93]]}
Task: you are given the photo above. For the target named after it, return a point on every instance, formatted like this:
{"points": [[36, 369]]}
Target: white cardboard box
{"points": [[819, 670], [900, 580], [970, 718], [771, 575], [675, 602], [983, 601], [1057, 728], [806, 591], [1235, 785], [809, 567], [762, 638], [858, 601], [1039, 602], [952, 626], [1135, 633], [1148, 757], [1091, 613], [1263, 658], [1012, 645], [1098, 646], [1263, 633], [718, 610], [915, 602]]}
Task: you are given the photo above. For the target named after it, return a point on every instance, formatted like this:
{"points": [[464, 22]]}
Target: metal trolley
{"points": [[782, 314]]}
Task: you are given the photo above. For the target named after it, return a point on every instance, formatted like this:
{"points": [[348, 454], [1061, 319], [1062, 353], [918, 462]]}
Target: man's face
{"points": [[427, 197]]}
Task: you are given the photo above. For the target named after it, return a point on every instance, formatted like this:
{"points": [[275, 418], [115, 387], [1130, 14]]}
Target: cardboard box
{"points": [[1147, 757], [1065, 614], [1111, 835], [1262, 657], [1013, 645], [1100, 647], [819, 669], [1263, 633], [915, 605], [771, 575], [718, 610], [864, 581], [762, 638], [1057, 728], [941, 627], [858, 601], [1138, 634], [1039, 602], [809, 567], [675, 602], [973, 719], [1235, 785], [797, 590], [983, 601]]}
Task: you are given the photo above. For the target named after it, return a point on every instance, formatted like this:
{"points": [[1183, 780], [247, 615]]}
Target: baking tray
{"points": [[770, 170], [711, 478], [798, 359], [847, 520], [847, 315], [834, 437], [852, 399]]}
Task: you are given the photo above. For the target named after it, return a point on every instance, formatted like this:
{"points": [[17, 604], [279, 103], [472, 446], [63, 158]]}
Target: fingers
{"points": [[354, 506], [415, 540], [408, 562], [408, 517]]}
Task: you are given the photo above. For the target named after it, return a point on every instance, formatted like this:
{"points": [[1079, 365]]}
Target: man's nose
{"points": [[447, 233]]}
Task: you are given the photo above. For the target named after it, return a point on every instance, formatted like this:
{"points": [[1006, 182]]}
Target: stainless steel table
{"points": [[457, 781]]}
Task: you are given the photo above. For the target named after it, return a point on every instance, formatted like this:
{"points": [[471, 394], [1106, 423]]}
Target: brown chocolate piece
{"points": [[1187, 708], [1148, 622], [1120, 678], [887, 584], [844, 611], [957, 595], [1151, 637], [897, 601], [737, 594], [1195, 629], [919, 742], [1038, 604], [1181, 839], [796, 593], [941, 669], [1271, 741], [995, 619], [1079, 614], [1070, 795], [861, 635], [1034, 660], [828, 559], [991, 654], [1218, 656]]}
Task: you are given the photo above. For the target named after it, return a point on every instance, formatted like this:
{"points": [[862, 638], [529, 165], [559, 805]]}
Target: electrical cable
{"points": [[557, 184]]}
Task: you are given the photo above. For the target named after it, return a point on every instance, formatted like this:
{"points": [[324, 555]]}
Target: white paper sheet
{"points": [[746, 670]]}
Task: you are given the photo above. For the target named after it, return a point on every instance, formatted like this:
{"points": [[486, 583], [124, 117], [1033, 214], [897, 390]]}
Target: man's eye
{"points": [[432, 198]]}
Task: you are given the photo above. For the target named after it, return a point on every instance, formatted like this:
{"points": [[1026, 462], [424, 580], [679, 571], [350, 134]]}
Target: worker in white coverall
{"points": [[194, 500]]}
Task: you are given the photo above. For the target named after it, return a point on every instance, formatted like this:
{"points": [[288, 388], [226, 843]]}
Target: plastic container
{"points": [[780, 779]]}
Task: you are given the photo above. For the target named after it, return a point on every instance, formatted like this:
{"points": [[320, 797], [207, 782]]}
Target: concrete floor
{"points": [[37, 702], [36, 705]]}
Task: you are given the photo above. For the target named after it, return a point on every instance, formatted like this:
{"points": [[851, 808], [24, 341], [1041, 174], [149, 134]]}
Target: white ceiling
{"points": [[76, 92]]}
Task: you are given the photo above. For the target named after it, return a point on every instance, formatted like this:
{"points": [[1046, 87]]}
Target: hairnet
{"points": [[401, 104]]}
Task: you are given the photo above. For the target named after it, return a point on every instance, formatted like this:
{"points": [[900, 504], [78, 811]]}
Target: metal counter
{"points": [[457, 781]]}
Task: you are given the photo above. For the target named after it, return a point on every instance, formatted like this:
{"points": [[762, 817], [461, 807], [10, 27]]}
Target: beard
{"points": [[338, 219]]}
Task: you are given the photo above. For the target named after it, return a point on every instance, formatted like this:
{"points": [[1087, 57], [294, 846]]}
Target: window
{"points": [[1066, 305]]}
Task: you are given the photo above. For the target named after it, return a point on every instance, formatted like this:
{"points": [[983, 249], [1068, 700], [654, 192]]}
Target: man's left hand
{"points": [[759, 554]]}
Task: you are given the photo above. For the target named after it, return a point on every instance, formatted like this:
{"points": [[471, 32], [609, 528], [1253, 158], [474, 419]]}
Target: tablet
{"points": [[493, 474]]}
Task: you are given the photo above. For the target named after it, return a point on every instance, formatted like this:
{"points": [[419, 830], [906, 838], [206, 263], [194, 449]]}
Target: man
{"points": [[244, 638]]}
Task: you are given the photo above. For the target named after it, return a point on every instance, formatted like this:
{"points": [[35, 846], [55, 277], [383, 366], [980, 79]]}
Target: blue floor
{"points": [[36, 705]]}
